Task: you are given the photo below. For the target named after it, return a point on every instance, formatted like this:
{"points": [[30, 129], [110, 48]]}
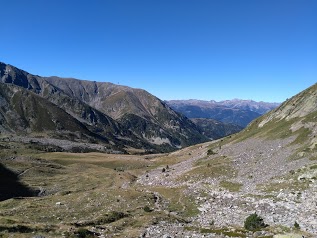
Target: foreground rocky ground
{"points": [[257, 176]]}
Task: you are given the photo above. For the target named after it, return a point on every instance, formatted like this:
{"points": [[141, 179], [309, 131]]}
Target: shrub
{"points": [[210, 152], [254, 222], [84, 233], [296, 226], [113, 216], [147, 209]]}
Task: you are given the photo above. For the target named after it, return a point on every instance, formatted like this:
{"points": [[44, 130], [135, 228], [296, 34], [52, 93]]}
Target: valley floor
{"points": [[206, 190]]}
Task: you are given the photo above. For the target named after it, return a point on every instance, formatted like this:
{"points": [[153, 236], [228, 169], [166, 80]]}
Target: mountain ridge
{"points": [[236, 111], [104, 108]]}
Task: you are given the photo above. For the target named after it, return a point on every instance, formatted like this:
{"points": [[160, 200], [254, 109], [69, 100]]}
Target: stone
{"points": [[166, 236]]}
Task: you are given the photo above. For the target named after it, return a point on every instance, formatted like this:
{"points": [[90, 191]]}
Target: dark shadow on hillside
{"points": [[10, 186]]}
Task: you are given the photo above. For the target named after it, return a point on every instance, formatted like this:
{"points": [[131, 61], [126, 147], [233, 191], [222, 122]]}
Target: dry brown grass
{"points": [[81, 188]]}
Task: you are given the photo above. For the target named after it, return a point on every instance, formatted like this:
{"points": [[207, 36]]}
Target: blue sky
{"points": [[265, 50]]}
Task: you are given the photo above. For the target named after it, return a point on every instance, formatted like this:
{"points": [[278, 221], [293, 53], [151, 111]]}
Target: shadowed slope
{"points": [[214, 129], [10, 186]]}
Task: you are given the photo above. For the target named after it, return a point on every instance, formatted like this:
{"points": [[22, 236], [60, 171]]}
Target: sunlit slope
{"points": [[295, 118]]}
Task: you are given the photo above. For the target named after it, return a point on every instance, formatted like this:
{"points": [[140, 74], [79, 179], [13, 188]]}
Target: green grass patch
{"points": [[275, 129], [110, 217], [209, 168], [303, 134], [231, 186], [223, 231], [313, 166], [177, 201], [285, 185]]}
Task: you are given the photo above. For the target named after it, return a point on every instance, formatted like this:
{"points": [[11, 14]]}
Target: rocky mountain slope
{"points": [[135, 109], [116, 115], [25, 113], [239, 112], [295, 117]]}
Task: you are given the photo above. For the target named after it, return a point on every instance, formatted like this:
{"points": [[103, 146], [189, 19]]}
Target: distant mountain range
{"points": [[238, 112]]}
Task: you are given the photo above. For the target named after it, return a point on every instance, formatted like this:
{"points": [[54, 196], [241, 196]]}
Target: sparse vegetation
{"points": [[84, 233], [112, 217], [296, 225], [231, 186], [225, 231], [254, 222], [16, 228], [147, 209], [210, 152]]}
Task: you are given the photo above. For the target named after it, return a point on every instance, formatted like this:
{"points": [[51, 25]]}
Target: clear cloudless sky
{"points": [[264, 50]]}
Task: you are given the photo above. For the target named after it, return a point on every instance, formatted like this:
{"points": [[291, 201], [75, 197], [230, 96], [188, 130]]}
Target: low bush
{"points": [[296, 226], [112, 217], [147, 209], [210, 152], [254, 222], [84, 233]]}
